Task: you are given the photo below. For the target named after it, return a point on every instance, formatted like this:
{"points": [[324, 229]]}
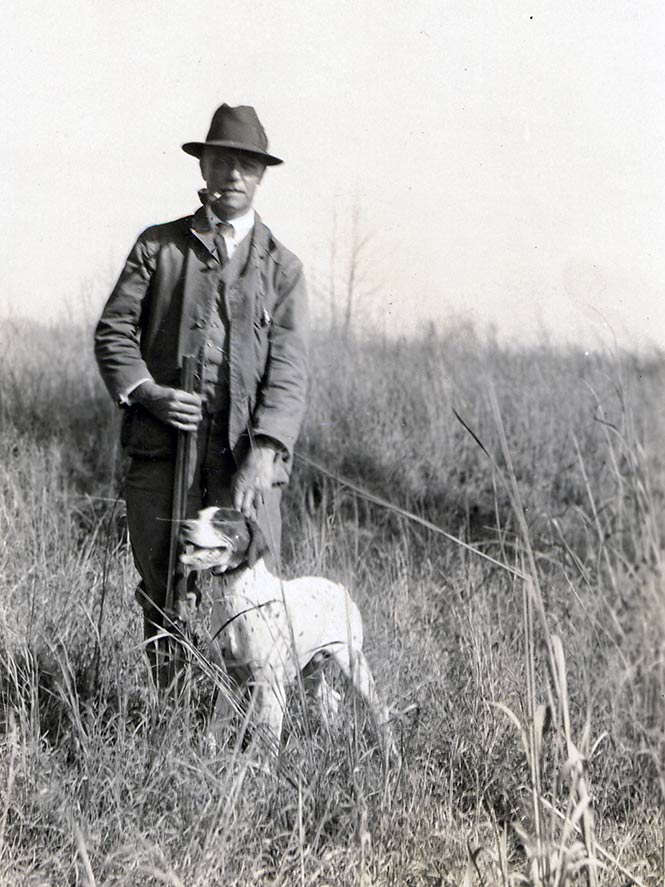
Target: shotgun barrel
{"points": [[180, 491]]}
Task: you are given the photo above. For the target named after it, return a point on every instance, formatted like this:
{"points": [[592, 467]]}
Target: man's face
{"points": [[235, 176]]}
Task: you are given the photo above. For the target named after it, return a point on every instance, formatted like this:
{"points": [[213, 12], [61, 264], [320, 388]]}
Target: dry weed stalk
{"points": [[554, 858]]}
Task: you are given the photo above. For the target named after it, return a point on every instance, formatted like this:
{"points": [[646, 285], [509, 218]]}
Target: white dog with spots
{"points": [[270, 630]]}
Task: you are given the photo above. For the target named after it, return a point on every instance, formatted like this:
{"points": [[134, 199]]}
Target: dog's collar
{"points": [[234, 572]]}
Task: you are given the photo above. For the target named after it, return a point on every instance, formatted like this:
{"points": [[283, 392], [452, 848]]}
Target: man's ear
{"points": [[257, 543], [203, 165]]}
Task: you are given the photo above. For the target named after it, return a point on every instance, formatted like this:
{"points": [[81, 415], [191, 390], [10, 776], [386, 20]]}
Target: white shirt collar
{"points": [[241, 225]]}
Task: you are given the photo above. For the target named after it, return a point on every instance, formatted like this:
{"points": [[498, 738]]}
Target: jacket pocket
{"points": [[145, 437]]}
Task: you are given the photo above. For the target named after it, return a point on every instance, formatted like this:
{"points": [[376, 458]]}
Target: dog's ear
{"points": [[257, 543]]}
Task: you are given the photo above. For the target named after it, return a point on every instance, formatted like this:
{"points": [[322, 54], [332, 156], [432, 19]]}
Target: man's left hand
{"points": [[254, 477]]}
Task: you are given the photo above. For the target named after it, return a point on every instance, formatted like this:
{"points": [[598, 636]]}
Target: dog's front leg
{"points": [[229, 702], [268, 702]]}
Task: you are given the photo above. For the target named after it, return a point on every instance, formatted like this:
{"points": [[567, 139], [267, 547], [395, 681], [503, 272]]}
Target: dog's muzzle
{"points": [[215, 559]]}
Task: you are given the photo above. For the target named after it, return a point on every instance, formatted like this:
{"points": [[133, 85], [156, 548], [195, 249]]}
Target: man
{"points": [[219, 286]]}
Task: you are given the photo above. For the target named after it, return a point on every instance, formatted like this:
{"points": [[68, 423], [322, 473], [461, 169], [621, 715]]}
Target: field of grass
{"points": [[527, 691]]}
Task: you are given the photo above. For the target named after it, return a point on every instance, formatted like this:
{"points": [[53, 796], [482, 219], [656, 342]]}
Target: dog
{"points": [[270, 631]]}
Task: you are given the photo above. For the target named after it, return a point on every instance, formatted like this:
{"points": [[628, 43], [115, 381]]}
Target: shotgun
{"points": [[176, 587], [174, 656]]}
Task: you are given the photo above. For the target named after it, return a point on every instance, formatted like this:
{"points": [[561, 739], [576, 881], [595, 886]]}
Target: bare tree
{"points": [[345, 283], [355, 272]]}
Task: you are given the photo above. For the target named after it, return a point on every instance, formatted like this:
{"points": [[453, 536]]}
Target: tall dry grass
{"points": [[529, 710]]}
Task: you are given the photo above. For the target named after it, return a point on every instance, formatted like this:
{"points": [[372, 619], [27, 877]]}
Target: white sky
{"points": [[507, 156]]}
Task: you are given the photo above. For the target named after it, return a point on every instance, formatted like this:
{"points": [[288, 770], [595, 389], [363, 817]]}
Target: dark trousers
{"points": [[149, 497]]}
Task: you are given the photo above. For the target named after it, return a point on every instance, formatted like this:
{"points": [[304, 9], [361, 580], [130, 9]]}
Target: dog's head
{"points": [[221, 539]]}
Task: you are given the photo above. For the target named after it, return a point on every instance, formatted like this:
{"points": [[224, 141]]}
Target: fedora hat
{"points": [[238, 128]]}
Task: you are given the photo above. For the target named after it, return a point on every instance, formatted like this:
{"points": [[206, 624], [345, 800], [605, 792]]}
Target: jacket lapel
{"points": [[242, 297], [201, 275], [200, 228]]}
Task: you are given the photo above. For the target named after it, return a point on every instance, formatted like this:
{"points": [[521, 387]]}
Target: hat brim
{"points": [[196, 150]]}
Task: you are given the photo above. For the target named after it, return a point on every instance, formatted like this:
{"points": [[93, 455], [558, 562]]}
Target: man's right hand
{"points": [[170, 405]]}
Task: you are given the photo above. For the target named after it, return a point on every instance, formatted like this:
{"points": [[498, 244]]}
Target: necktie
{"points": [[221, 229]]}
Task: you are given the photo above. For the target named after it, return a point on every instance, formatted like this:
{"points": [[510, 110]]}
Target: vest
{"points": [[213, 359]]}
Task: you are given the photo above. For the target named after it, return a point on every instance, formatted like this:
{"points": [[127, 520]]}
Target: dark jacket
{"points": [[157, 313]]}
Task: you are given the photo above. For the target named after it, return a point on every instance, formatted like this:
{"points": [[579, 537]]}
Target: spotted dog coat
{"points": [[270, 630]]}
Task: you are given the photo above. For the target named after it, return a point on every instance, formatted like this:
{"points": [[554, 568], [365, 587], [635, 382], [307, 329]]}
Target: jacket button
{"points": [[200, 323]]}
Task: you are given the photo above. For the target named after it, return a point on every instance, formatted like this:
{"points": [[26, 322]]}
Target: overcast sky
{"points": [[507, 157]]}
